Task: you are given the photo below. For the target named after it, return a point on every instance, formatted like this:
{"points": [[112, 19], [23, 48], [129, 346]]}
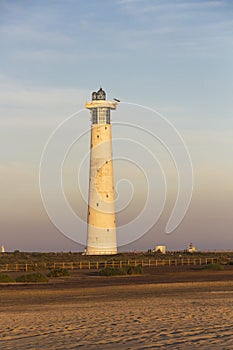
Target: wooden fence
{"points": [[95, 265]]}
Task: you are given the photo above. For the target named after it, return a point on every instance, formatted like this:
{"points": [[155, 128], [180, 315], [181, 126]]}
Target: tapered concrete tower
{"points": [[101, 232]]}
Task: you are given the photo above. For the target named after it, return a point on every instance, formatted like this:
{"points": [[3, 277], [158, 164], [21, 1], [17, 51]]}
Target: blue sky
{"points": [[174, 56]]}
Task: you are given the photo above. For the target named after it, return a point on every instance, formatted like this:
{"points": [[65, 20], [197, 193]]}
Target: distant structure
{"points": [[191, 248], [3, 249], [160, 249], [101, 220]]}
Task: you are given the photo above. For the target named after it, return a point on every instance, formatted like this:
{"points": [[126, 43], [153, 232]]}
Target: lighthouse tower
{"points": [[101, 220]]}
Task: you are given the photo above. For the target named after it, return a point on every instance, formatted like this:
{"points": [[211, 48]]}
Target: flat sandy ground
{"points": [[135, 312]]}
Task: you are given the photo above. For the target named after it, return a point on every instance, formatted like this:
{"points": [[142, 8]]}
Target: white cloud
{"points": [[24, 106], [15, 95], [149, 7], [26, 33], [42, 98]]}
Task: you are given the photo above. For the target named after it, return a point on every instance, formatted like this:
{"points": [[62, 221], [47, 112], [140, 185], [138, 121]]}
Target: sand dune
{"points": [[163, 316]]}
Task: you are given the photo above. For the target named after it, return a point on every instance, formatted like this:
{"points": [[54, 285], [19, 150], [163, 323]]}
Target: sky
{"points": [[173, 56]]}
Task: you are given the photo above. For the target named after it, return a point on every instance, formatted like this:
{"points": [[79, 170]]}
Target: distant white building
{"points": [[191, 248], [3, 249], [160, 248]]}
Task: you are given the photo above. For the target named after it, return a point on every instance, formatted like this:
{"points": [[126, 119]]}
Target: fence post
{"points": [[80, 265], [120, 264], [26, 267], [97, 265], [149, 263], [156, 263]]}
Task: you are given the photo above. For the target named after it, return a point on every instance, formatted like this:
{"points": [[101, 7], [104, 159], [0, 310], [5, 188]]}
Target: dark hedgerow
{"points": [[112, 271], [33, 277], [216, 266], [134, 270], [116, 271], [6, 278], [58, 273]]}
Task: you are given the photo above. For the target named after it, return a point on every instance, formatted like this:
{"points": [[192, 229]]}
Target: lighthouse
{"points": [[101, 219]]}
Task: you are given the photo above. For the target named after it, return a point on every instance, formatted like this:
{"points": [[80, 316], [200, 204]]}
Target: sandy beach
{"points": [[117, 313]]}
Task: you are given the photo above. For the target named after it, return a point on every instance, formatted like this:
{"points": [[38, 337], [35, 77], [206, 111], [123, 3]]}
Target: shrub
{"points": [[6, 278], [116, 271], [33, 277], [213, 267], [112, 271], [58, 273], [134, 270]]}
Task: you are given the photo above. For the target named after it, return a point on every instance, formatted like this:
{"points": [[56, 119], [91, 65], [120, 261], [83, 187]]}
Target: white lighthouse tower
{"points": [[101, 220]]}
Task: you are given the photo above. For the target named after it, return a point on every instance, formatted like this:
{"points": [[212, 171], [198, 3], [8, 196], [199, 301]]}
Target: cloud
{"points": [[181, 29], [16, 95], [26, 33], [42, 98], [164, 6], [34, 107]]}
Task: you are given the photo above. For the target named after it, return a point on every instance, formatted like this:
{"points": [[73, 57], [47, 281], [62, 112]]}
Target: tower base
{"points": [[100, 252]]}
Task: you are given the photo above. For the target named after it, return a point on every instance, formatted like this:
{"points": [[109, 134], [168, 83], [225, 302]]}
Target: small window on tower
{"points": [[106, 195], [98, 136], [97, 204]]}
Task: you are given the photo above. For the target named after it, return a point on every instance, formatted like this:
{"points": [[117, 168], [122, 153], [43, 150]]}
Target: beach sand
{"points": [[117, 313]]}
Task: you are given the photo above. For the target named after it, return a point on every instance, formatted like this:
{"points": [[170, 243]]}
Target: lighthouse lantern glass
{"points": [[94, 116], [100, 115]]}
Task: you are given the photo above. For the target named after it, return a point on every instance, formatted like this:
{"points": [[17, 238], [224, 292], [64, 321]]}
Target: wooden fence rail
{"points": [[98, 264]]}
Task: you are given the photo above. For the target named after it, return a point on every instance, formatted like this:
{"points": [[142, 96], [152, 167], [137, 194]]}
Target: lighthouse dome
{"points": [[94, 96], [101, 95]]}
